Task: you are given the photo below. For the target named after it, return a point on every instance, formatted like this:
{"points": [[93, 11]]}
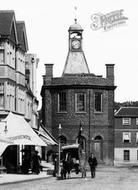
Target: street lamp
{"points": [[59, 148]]}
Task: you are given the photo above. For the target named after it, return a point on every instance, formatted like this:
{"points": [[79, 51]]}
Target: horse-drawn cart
{"points": [[73, 160]]}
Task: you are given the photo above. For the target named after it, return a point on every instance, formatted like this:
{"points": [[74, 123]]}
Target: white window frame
{"points": [[136, 121], [126, 137], [2, 56], [136, 137], [126, 121], [128, 155], [76, 107]]}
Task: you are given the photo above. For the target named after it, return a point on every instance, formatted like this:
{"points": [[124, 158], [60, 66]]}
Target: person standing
{"points": [[92, 163], [36, 163]]}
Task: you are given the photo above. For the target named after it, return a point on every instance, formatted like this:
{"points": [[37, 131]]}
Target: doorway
{"points": [[98, 148]]}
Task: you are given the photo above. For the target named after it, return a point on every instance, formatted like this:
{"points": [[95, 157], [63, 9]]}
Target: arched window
{"points": [[63, 139], [82, 141]]}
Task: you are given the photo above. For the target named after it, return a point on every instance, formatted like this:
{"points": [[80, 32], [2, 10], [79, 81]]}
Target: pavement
{"points": [[6, 178], [17, 178]]}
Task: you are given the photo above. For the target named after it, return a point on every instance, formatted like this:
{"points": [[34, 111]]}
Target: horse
{"points": [[67, 166]]}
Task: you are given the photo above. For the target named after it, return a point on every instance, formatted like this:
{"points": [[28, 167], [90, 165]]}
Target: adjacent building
{"points": [[17, 74], [31, 64], [80, 100], [126, 136], [17, 69]]}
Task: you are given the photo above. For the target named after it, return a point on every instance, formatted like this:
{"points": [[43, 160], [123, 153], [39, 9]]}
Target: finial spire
{"points": [[75, 8]]}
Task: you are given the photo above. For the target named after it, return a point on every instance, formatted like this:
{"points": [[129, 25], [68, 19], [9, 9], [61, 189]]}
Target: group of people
{"points": [[31, 162], [68, 165], [92, 163]]}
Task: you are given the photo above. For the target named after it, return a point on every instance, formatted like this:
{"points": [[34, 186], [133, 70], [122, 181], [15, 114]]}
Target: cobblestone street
{"points": [[106, 179]]}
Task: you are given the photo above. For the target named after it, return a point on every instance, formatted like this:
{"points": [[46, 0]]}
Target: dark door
{"points": [[98, 150]]}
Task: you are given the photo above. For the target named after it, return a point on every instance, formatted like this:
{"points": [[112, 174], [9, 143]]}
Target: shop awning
{"points": [[15, 128], [46, 136], [4, 143]]}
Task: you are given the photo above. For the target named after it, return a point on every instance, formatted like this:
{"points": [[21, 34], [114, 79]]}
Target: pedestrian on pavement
{"points": [[92, 163], [25, 162], [36, 163]]}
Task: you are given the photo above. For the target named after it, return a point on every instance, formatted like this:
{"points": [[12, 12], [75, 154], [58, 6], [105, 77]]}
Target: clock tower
{"points": [[76, 61]]}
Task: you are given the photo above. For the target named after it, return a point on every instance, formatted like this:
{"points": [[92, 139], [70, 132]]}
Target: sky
{"points": [[47, 23]]}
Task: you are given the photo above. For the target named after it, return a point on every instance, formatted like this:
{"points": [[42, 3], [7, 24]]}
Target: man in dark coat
{"points": [[92, 163], [36, 163]]}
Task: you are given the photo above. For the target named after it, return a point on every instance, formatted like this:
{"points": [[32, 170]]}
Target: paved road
{"points": [[106, 179]]}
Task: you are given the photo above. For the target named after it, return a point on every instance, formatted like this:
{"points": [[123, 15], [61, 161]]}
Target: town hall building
{"points": [[80, 101]]}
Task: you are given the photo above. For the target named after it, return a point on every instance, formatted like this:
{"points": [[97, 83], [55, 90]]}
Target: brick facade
{"points": [[97, 127], [101, 124]]}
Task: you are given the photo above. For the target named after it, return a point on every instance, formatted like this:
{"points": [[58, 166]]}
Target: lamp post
{"points": [[59, 148]]}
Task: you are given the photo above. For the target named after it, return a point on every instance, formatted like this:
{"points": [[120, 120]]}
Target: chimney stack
{"points": [[48, 72], [110, 71]]}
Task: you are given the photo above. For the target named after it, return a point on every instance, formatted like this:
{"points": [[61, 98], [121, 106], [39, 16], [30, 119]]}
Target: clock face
{"points": [[75, 44]]}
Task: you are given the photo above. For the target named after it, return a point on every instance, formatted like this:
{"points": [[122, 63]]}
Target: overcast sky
{"points": [[47, 23]]}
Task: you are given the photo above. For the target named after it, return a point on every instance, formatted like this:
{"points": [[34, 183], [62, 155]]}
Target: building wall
{"points": [[119, 156], [101, 124], [14, 94], [120, 146], [31, 105]]}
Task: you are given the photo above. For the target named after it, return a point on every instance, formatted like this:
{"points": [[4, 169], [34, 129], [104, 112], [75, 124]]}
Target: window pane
{"points": [[1, 56], [80, 102], [62, 101], [98, 101], [1, 100], [136, 121], [126, 121], [126, 137], [126, 155]]}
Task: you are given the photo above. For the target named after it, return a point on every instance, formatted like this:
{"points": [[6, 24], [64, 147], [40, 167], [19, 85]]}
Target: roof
{"points": [[76, 64], [12, 29], [127, 112], [75, 26], [45, 135], [70, 146], [19, 131], [22, 35], [6, 18]]}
